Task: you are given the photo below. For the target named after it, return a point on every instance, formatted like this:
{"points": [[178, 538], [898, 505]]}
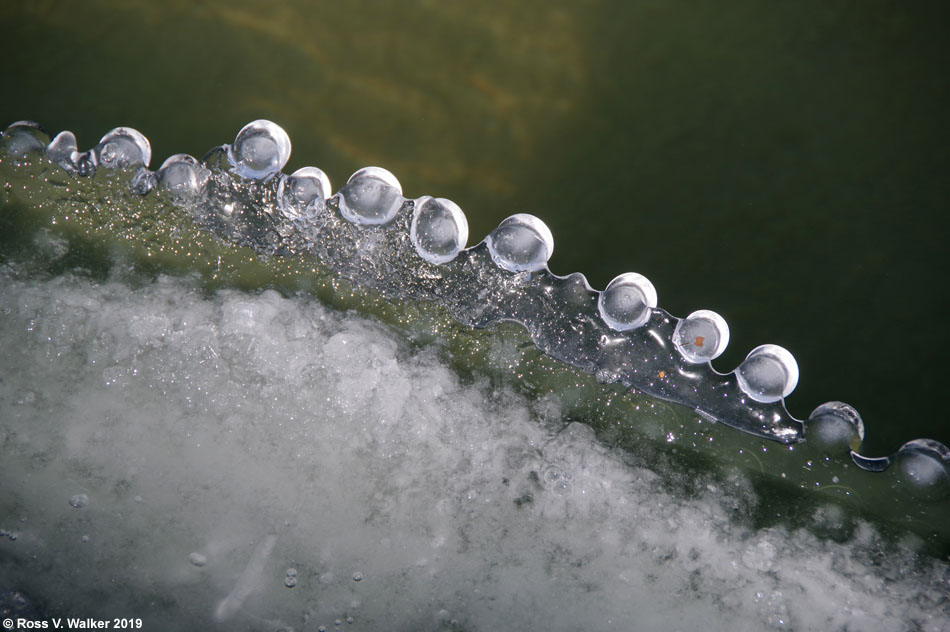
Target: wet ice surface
{"points": [[255, 462]]}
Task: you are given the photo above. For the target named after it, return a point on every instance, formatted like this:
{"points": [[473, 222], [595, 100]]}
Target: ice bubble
{"points": [[357, 576], [923, 466], [197, 559], [627, 302], [439, 229], [23, 138], [702, 336], [835, 427], [299, 193], [768, 374], [290, 578], [63, 151], [182, 176], [260, 150], [521, 243], [79, 500], [372, 195], [123, 148]]}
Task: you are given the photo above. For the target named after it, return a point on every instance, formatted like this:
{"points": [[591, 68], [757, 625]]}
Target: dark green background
{"points": [[784, 163]]}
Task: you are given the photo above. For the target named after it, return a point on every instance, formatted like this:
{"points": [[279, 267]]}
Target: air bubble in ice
{"points": [[835, 427], [372, 195], [357, 576], [923, 465], [439, 229], [64, 152], [182, 177], [197, 559], [521, 243], [702, 336], [79, 500], [123, 148], [260, 150], [627, 302], [290, 582], [298, 194], [768, 374]]}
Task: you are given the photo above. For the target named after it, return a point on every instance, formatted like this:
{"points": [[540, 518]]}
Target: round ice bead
{"points": [[182, 176], [923, 466], [23, 138], [372, 195], [298, 192], [835, 427], [627, 302], [521, 242], [63, 151], [702, 336], [260, 150], [768, 374], [123, 148], [439, 229]]}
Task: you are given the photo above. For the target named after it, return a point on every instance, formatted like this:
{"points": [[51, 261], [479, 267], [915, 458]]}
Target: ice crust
{"points": [[260, 434]]}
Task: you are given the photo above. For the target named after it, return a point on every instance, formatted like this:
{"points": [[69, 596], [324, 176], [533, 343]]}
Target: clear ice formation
{"points": [[408, 248]]}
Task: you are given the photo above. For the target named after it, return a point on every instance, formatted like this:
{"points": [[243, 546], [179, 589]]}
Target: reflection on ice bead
{"points": [[298, 193], [702, 336], [768, 374], [23, 138], [123, 148], [439, 229], [260, 150], [627, 302], [521, 243], [64, 152], [182, 176], [835, 427], [372, 195], [923, 466]]}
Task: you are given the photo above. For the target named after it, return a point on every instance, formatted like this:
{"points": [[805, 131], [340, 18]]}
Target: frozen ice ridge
{"points": [[201, 455]]}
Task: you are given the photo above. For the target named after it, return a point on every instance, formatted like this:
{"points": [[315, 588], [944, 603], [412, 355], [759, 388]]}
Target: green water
{"points": [[782, 163]]}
